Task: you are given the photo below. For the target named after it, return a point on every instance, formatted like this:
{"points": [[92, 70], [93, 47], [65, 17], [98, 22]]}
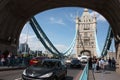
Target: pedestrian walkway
{"points": [[5, 68], [107, 75]]}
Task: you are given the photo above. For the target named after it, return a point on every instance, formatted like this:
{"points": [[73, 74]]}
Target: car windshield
{"points": [[84, 58], [75, 61], [48, 64]]}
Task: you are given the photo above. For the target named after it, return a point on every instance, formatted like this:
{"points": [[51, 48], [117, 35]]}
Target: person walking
{"points": [[110, 62], [102, 64], [2, 60], [113, 62], [90, 62], [94, 63], [97, 65]]}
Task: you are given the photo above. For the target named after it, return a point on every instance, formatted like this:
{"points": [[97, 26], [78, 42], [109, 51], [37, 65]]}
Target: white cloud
{"points": [[35, 44], [56, 21], [61, 47], [71, 17], [22, 38], [99, 17]]}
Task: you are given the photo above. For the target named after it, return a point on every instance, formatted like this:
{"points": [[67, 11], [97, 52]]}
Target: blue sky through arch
{"points": [[59, 26]]}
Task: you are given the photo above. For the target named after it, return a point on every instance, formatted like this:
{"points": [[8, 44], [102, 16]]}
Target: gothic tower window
{"points": [[85, 34], [86, 41]]}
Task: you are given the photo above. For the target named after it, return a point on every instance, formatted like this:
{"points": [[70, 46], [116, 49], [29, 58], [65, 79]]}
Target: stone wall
{"points": [[10, 48], [118, 58]]}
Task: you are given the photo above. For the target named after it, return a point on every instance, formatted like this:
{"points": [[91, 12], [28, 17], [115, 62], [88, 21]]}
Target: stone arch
{"points": [[14, 14], [86, 52]]}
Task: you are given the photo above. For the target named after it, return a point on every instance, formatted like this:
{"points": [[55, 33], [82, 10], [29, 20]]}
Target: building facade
{"points": [[111, 55], [86, 33], [23, 47]]}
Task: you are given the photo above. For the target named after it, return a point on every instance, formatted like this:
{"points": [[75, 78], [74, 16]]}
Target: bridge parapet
{"points": [[84, 75]]}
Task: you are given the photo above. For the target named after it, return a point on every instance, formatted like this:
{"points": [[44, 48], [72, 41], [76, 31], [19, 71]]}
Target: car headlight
{"points": [[24, 72], [46, 75]]}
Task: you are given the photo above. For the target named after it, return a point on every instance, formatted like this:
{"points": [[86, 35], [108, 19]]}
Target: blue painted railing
{"points": [[84, 75]]}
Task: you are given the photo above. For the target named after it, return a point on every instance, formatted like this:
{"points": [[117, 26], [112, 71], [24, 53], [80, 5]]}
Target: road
{"points": [[73, 74], [10, 75]]}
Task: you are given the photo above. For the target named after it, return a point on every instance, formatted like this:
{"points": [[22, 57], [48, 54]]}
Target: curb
{"points": [[8, 69]]}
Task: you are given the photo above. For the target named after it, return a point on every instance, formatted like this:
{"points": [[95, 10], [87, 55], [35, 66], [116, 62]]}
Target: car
{"points": [[35, 60], [67, 61], [49, 69], [84, 59], [75, 63]]}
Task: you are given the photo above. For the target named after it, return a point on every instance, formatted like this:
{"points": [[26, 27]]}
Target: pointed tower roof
{"points": [[86, 17], [85, 10]]}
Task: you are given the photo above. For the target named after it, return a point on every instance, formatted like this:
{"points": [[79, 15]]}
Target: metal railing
{"points": [[84, 75]]}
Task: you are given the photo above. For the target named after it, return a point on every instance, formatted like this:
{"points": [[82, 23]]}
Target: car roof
{"points": [[84, 56]]}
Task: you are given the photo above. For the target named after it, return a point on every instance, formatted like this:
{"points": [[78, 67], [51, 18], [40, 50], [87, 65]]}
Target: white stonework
{"points": [[86, 30]]}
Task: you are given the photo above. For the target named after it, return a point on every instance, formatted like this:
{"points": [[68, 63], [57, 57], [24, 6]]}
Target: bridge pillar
{"points": [[118, 58]]}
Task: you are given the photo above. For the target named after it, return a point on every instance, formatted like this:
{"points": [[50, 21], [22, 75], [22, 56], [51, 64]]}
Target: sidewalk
{"points": [[5, 68], [107, 75]]}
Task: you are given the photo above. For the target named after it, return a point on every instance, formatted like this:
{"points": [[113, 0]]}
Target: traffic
{"points": [[49, 69], [43, 68]]}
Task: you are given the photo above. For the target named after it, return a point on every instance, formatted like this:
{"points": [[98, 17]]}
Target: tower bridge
{"points": [[86, 31], [14, 14]]}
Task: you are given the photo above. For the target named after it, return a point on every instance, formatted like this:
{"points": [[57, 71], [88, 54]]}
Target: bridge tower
{"points": [[86, 30]]}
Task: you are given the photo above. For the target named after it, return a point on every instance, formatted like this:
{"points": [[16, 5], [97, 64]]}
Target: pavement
{"points": [[104, 75], [6, 68], [107, 75]]}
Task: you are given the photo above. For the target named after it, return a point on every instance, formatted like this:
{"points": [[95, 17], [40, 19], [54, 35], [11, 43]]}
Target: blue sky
{"points": [[59, 26]]}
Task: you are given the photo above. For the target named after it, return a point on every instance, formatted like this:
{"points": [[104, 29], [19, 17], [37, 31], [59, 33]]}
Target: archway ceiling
{"points": [[15, 13]]}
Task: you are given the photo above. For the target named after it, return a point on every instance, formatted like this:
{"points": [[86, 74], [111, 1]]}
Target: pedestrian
{"points": [[2, 60], [102, 64], [97, 65], [8, 59], [94, 63], [109, 62], [90, 62], [113, 62]]}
